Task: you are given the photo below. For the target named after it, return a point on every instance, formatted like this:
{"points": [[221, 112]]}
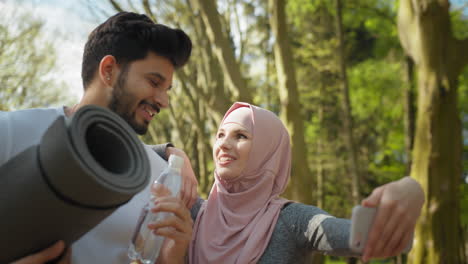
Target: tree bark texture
{"points": [[223, 50], [425, 34], [291, 113], [347, 112], [410, 110]]}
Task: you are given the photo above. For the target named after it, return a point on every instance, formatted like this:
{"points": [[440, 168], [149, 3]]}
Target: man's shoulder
{"points": [[23, 128], [33, 113], [30, 117]]}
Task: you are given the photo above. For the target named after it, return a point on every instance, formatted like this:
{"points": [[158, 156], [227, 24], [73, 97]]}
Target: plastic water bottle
{"points": [[145, 246]]}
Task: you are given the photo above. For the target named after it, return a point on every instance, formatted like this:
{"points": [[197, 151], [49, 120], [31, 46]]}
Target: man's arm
{"points": [[162, 150]]}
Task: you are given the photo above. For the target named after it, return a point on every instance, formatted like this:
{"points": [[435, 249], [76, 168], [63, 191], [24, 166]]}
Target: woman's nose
{"points": [[225, 143]]}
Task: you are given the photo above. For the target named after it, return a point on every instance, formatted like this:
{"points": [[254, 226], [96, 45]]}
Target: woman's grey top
{"points": [[300, 230]]}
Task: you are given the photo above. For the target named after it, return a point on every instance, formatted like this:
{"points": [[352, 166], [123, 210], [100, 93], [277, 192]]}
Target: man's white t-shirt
{"points": [[107, 242]]}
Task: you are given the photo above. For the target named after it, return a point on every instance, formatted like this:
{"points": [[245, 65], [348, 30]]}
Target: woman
{"points": [[245, 221]]}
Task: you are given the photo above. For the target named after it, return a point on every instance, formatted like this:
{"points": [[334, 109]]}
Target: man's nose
{"points": [[162, 99]]}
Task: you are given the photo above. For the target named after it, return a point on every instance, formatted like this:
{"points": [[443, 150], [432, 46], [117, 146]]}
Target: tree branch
{"points": [[379, 12], [148, 11], [407, 27], [132, 6], [116, 6], [239, 31], [459, 54]]}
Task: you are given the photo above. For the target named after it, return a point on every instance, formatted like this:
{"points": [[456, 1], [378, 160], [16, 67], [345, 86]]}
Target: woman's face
{"points": [[231, 150]]}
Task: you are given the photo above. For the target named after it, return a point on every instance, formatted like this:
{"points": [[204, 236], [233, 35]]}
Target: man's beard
{"points": [[121, 103]]}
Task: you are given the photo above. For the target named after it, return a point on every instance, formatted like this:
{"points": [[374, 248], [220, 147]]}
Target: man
{"points": [[128, 66]]}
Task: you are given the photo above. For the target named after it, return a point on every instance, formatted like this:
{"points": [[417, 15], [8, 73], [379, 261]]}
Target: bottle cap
{"points": [[176, 161]]}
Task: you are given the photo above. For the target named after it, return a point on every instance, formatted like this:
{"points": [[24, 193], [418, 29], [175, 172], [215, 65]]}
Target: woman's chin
{"points": [[226, 175]]}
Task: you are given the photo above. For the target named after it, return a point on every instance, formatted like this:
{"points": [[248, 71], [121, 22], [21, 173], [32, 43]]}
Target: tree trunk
{"points": [[211, 81], [223, 50], [318, 258], [347, 115], [410, 110], [425, 34], [320, 161], [291, 112]]}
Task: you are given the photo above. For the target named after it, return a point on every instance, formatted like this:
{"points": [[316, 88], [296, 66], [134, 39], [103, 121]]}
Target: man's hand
{"points": [[48, 254], [177, 229], [188, 191], [399, 205]]}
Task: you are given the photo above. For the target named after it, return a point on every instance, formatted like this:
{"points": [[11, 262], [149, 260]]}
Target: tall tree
{"points": [[223, 49], [290, 104], [410, 110], [347, 115], [26, 59], [426, 36]]}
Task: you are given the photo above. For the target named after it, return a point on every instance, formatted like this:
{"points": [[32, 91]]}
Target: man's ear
{"points": [[108, 69]]}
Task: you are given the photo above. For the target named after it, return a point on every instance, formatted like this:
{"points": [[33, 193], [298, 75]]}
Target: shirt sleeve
{"points": [[5, 140], [315, 230], [196, 208]]}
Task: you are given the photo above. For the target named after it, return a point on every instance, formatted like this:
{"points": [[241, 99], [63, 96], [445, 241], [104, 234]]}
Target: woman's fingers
{"points": [[173, 228], [395, 239], [392, 231], [406, 242], [185, 191], [178, 225], [172, 205], [399, 205], [375, 234]]}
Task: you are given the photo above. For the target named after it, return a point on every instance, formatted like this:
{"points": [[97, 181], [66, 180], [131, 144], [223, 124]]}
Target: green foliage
{"points": [[463, 106], [378, 113], [374, 59], [26, 60], [459, 23], [375, 89]]}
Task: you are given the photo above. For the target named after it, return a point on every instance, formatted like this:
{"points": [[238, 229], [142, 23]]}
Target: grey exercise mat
{"points": [[82, 170]]}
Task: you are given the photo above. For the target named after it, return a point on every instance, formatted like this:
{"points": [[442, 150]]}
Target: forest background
{"points": [[370, 90]]}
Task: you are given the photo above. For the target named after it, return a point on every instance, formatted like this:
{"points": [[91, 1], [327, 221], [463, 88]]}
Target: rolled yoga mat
{"points": [[83, 169]]}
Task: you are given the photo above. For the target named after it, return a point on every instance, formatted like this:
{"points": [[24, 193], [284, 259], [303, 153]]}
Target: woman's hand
{"points": [[177, 229], [188, 191], [399, 205], [47, 254]]}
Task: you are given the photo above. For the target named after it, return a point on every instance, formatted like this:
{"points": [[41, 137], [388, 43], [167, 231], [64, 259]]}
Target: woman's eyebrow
{"points": [[240, 130]]}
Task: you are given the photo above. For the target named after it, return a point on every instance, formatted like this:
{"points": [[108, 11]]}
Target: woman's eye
{"points": [[242, 136], [220, 135]]}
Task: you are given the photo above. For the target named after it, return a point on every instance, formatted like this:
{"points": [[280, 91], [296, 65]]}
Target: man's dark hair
{"points": [[129, 37]]}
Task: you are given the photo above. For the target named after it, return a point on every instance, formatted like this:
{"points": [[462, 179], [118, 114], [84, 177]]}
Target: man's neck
{"points": [[69, 111], [92, 96]]}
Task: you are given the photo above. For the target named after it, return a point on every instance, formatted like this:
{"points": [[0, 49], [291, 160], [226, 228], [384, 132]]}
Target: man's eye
{"points": [[154, 83]]}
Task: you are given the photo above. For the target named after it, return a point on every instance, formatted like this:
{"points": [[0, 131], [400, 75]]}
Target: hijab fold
{"points": [[235, 224]]}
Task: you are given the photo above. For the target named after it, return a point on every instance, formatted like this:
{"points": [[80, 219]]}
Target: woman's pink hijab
{"points": [[236, 222]]}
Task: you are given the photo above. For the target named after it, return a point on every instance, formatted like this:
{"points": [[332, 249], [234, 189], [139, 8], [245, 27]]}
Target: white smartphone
{"points": [[362, 219], [361, 222]]}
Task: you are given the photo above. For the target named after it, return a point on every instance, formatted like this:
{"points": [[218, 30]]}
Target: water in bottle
{"points": [[145, 246]]}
